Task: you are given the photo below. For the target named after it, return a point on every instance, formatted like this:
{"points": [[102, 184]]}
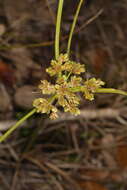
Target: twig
{"points": [[63, 174], [88, 114]]}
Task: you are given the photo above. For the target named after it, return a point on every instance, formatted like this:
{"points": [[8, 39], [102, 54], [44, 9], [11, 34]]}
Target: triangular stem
{"points": [[58, 27], [73, 26]]}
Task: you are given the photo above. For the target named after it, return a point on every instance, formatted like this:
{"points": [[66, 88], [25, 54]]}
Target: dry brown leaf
{"points": [[121, 156], [98, 58], [87, 185], [95, 174], [6, 74], [103, 175]]}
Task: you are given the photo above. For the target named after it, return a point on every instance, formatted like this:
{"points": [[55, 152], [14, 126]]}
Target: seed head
{"points": [[64, 91]]}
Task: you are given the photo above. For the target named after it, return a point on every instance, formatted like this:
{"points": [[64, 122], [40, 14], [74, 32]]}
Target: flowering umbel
{"points": [[65, 91]]}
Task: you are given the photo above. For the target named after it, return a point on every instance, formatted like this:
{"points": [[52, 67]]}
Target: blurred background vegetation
{"points": [[88, 152]]}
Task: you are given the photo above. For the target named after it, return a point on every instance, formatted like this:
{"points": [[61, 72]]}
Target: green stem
{"points": [[58, 26], [14, 127], [111, 90], [101, 90], [73, 26]]}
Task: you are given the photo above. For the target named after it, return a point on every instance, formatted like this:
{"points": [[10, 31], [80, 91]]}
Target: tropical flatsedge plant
{"points": [[64, 92]]}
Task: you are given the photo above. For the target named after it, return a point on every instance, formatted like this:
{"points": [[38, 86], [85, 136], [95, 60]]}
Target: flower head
{"points": [[44, 106], [46, 87], [74, 67], [57, 65], [66, 88], [90, 87], [72, 109], [61, 80], [56, 68], [63, 58], [75, 81], [67, 99]]}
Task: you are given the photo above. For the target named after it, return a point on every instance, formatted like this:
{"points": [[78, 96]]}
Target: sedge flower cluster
{"points": [[65, 91]]}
